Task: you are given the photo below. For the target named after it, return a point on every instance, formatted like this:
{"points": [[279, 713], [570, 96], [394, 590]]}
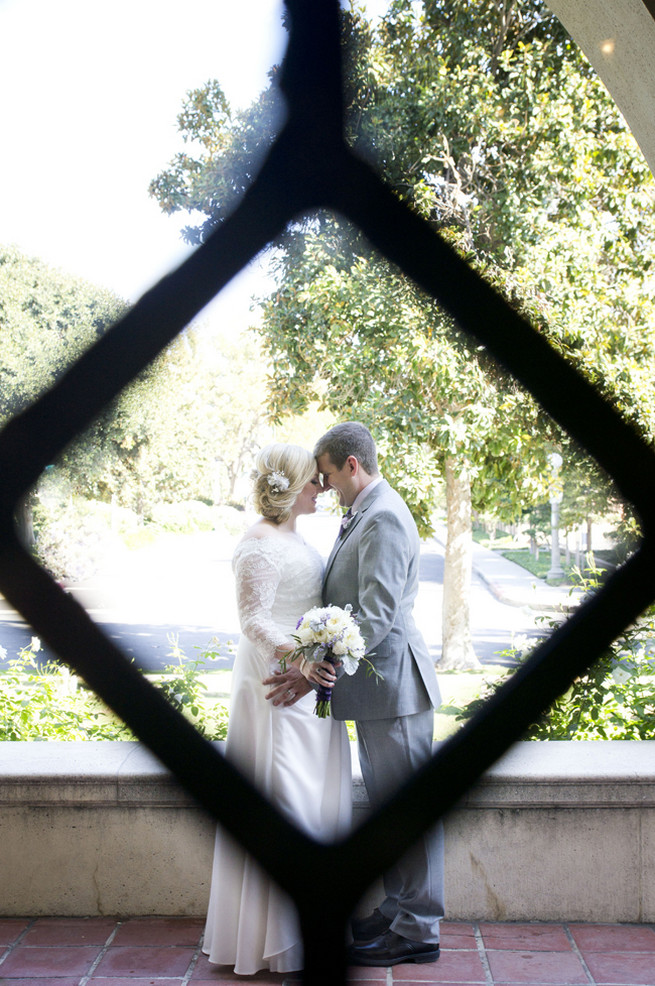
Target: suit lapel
{"points": [[342, 540], [368, 501]]}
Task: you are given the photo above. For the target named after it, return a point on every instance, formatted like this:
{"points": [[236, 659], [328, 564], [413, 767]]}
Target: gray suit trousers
{"points": [[390, 751]]}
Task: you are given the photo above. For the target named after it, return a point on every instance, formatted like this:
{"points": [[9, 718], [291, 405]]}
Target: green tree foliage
{"points": [[228, 149], [47, 320], [183, 430], [487, 120]]}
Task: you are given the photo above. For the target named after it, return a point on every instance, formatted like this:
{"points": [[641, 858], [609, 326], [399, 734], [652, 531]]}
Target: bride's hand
{"points": [[319, 673], [289, 686]]}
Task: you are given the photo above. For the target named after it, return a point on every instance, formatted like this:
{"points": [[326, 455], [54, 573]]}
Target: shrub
{"points": [[48, 702], [44, 702], [185, 688], [615, 700], [185, 517], [73, 537]]}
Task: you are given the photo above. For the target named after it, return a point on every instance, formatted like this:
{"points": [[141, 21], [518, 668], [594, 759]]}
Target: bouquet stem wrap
{"points": [[323, 705], [330, 633]]}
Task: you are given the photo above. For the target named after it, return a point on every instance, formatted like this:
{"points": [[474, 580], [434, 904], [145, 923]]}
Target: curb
{"points": [[535, 597], [521, 587]]}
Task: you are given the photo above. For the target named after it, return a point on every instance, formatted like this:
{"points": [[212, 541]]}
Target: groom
{"points": [[374, 567]]}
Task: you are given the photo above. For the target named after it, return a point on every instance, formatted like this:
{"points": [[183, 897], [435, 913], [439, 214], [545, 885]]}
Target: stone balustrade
{"points": [[554, 831]]}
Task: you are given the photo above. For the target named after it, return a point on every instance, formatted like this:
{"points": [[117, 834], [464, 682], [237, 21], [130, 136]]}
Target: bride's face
{"points": [[306, 500]]}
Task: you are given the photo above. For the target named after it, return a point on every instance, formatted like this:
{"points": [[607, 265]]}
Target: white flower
{"points": [[304, 635], [331, 628], [337, 623], [330, 633], [35, 645], [277, 481]]}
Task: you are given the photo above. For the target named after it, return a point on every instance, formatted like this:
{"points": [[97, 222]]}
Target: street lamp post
{"points": [[555, 571]]}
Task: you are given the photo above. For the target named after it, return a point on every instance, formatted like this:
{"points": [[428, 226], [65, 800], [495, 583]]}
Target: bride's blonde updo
{"points": [[281, 472]]}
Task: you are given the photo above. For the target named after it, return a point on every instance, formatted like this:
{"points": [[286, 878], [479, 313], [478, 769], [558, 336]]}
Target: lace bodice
{"points": [[278, 578]]}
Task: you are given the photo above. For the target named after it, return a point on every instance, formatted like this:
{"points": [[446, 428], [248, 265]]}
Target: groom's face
{"points": [[342, 480]]}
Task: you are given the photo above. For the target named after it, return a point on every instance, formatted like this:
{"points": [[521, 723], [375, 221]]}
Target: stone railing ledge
{"points": [[78, 772], [569, 774], [620, 773]]}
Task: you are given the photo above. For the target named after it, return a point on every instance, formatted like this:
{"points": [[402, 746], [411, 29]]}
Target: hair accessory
{"points": [[278, 481]]}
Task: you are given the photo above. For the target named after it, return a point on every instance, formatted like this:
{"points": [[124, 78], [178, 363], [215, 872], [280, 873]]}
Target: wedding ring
{"points": [[290, 693]]}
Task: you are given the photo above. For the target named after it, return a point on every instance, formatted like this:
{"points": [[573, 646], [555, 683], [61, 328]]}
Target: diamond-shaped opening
{"points": [[52, 422]]}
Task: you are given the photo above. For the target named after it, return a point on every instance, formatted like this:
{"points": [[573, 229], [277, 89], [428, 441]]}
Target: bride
{"points": [[301, 762]]}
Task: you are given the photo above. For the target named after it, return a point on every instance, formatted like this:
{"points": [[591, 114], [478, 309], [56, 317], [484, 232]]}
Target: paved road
{"points": [[179, 589], [183, 587], [494, 625]]}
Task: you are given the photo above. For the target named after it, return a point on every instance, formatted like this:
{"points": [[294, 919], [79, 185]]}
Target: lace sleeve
{"points": [[257, 579]]}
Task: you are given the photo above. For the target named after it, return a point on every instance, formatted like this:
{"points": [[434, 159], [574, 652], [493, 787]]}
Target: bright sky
{"points": [[90, 95]]}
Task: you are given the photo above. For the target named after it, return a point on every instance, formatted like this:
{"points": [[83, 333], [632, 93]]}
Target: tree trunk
{"points": [[456, 643]]}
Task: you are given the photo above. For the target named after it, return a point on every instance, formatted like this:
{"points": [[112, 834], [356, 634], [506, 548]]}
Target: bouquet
{"points": [[329, 633]]}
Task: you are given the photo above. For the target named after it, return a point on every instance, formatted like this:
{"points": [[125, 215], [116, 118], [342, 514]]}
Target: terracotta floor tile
{"points": [[205, 973], [51, 961], [44, 981], [224, 977], [11, 928], [159, 931], [129, 981], [200, 982], [529, 967], [621, 968], [160, 951], [458, 927], [452, 967], [355, 974], [70, 931], [365, 980], [533, 937], [155, 960], [456, 934], [613, 937], [218, 980], [365, 973]]}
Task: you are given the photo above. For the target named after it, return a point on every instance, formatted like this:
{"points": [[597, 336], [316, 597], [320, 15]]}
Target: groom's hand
{"points": [[289, 686]]}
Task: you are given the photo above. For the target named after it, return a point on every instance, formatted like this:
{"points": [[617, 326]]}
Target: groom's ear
{"points": [[353, 464]]}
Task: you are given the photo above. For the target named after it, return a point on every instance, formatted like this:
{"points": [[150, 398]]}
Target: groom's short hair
{"points": [[349, 438]]}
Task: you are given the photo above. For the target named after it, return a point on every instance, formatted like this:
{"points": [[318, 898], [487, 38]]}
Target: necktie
{"points": [[345, 522]]}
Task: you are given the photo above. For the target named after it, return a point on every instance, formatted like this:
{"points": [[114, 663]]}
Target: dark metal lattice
{"points": [[311, 167]]}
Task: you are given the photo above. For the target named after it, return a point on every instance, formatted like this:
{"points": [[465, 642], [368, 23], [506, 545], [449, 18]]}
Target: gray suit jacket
{"points": [[375, 568]]}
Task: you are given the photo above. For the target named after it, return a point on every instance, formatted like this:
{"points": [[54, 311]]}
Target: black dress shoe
{"points": [[391, 949], [366, 929]]}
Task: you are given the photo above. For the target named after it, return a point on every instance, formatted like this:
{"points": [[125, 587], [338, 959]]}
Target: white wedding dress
{"points": [[301, 762]]}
